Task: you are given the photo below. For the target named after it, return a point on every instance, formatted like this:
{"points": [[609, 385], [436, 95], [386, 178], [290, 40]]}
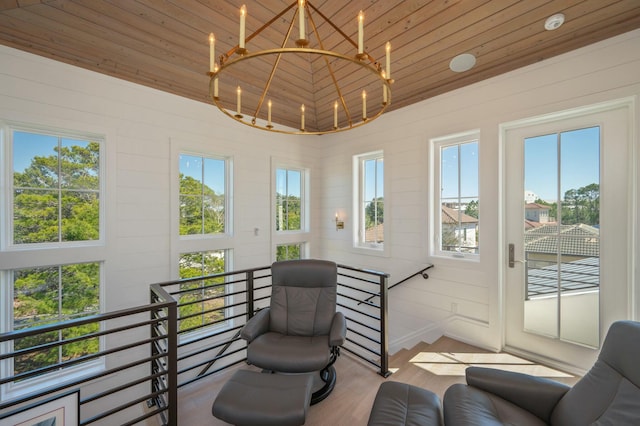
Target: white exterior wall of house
{"points": [[462, 299]]}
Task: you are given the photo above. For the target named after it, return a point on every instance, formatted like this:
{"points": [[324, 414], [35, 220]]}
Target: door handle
{"points": [[512, 260]]}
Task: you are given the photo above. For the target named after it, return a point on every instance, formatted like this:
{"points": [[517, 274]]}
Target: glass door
{"points": [[567, 232]]}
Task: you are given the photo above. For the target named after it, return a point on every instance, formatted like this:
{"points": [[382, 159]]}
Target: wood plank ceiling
{"points": [[163, 44]]}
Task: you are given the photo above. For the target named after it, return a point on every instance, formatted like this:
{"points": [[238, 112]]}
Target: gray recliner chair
{"points": [[300, 332], [609, 394]]}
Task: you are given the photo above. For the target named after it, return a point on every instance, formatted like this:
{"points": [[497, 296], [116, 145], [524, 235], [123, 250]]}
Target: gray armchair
{"points": [[609, 394], [300, 331]]}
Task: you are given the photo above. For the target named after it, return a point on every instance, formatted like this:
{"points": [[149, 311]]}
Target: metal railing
{"points": [[105, 395], [189, 331]]}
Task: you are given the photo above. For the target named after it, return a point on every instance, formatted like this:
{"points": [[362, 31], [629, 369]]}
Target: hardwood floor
{"points": [[434, 367]]}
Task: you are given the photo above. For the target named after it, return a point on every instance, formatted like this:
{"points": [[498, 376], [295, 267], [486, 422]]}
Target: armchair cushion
{"points": [[289, 354], [535, 394], [338, 330], [467, 405], [257, 325]]}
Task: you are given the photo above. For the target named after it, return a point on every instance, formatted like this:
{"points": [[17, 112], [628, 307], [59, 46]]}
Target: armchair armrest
{"points": [[257, 325], [338, 330], [537, 395]]}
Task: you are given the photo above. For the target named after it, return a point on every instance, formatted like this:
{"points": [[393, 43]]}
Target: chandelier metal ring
{"points": [[237, 59]]}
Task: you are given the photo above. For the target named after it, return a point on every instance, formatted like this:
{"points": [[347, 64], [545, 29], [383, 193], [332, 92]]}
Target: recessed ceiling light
{"points": [[462, 63], [553, 22]]}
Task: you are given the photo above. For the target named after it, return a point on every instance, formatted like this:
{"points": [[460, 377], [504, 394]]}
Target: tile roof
{"points": [[574, 240]]}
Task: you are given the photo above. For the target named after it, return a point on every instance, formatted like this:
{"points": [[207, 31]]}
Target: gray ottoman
{"points": [[261, 399], [402, 404]]}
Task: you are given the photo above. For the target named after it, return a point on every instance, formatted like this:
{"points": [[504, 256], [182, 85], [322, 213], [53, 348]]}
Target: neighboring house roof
{"points": [[528, 224], [451, 216], [575, 240], [536, 206]]}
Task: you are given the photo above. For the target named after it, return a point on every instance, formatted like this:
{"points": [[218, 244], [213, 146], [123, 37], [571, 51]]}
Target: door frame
{"points": [[627, 103]]}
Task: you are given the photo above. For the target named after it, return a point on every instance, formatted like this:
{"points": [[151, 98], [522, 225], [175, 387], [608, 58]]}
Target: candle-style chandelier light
{"points": [[300, 84]]}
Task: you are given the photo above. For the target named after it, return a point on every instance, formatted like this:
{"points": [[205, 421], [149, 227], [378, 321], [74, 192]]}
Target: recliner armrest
{"points": [[537, 395], [338, 330], [257, 325]]}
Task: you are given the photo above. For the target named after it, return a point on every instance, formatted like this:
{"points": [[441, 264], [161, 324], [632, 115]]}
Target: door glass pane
{"points": [[562, 235]]}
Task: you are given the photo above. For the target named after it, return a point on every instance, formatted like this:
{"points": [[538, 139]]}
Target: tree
{"points": [[472, 209], [202, 211], [374, 213], [288, 212], [56, 199], [581, 205]]}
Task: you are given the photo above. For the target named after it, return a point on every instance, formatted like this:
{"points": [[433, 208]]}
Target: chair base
{"points": [[328, 376]]}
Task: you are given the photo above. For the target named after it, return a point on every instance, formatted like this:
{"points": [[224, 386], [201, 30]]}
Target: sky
{"points": [[214, 174], [579, 165]]}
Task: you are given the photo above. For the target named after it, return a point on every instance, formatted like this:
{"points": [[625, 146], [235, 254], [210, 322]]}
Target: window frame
{"points": [[359, 231], [288, 237], [228, 197], [435, 222], [50, 254]]}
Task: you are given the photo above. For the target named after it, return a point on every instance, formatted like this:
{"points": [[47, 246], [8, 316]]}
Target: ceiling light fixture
{"points": [[554, 22], [463, 62], [254, 86]]}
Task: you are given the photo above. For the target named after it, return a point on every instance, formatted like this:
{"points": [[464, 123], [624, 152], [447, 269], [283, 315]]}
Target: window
{"points": [[289, 251], [203, 200], [56, 189], [46, 295], [201, 302], [52, 208], [370, 202], [290, 207], [456, 219], [289, 214]]}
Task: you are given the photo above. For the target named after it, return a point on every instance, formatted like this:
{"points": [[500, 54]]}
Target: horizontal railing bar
{"points": [[209, 336], [195, 379], [119, 408], [362, 346], [207, 311], [358, 312], [207, 349], [364, 336], [377, 330], [361, 357], [200, 364], [360, 302], [373, 293], [209, 324], [145, 416], [87, 336], [363, 271], [19, 334], [127, 385], [221, 274]]}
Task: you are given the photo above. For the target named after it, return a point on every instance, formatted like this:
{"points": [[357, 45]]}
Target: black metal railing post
{"points": [[250, 298], [172, 363], [384, 330]]}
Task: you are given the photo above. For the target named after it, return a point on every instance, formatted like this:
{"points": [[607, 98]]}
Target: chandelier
{"points": [[303, 84]]}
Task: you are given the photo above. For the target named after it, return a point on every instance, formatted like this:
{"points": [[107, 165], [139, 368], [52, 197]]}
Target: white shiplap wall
{"points": [[141, 125], [423, 310]]}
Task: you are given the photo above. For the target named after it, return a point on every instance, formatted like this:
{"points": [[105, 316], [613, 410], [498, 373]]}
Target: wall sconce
{"points": [[339, 223]]}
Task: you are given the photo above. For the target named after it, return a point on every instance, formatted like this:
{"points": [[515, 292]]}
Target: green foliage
{"points": [[288, 252], [202, 211], [581, 205], [374, 213], [201, 302], [288, 212], [472, 209], [55, 198]]}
